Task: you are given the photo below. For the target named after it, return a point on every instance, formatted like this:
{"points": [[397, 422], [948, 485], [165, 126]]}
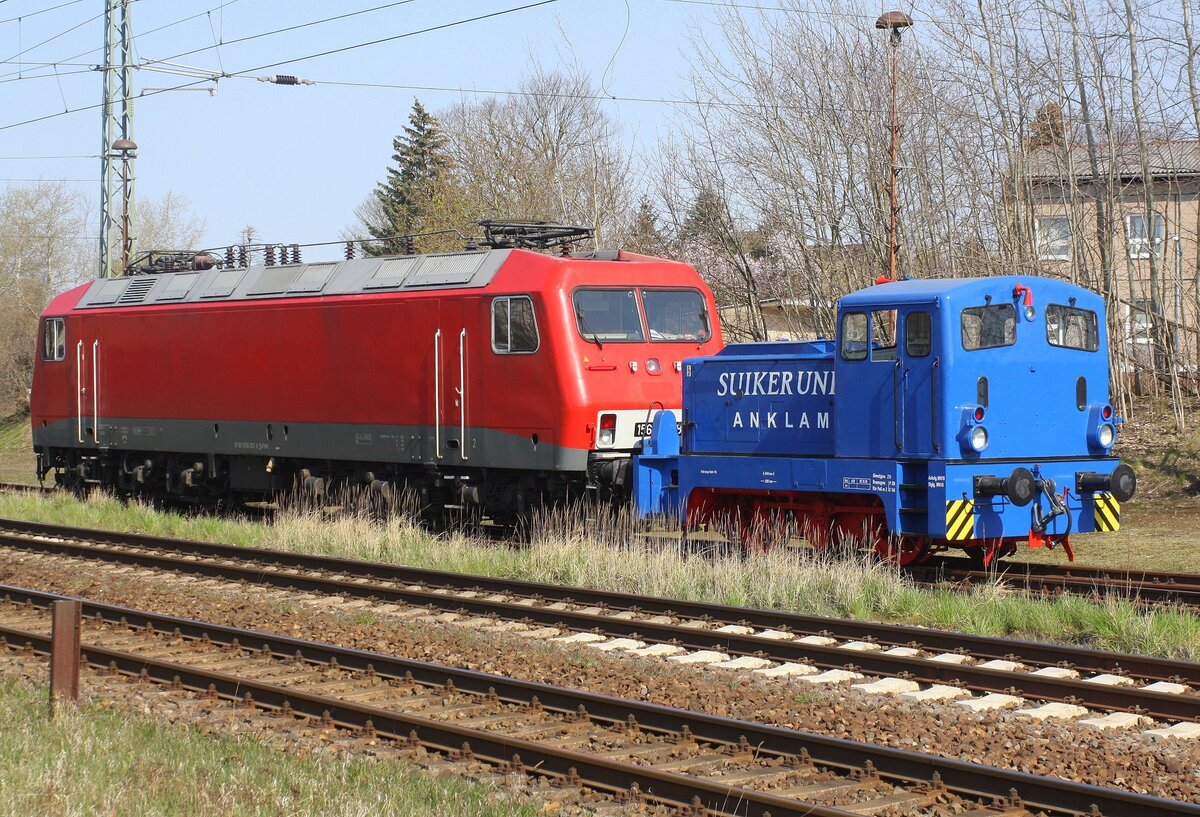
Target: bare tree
{"points": [[167, 223], [549, 152], [43, 250]]}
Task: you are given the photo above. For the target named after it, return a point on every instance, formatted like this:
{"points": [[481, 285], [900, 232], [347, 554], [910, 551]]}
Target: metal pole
{"points": [[893, 22], [893, 239], [64, 651], [116, 113], [124, 211]]}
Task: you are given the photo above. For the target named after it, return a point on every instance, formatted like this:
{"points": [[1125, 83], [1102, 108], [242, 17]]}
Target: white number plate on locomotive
{"points": [[643, 429]]}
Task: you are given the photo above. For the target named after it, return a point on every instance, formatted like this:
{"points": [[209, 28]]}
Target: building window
{"points": [[1053, 235], [1138, 238], [1141, 320]]}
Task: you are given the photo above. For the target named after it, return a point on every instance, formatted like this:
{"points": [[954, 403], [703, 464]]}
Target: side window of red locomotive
{"points": [[54, 339], [514, 328]]}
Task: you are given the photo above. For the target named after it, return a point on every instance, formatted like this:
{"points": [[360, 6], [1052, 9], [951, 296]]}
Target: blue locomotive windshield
{"points": [[986, 327], [1072, 327]]}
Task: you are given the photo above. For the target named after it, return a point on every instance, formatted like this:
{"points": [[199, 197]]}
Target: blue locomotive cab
{"points": [[993, 396], [973, 369], [969, 413]]}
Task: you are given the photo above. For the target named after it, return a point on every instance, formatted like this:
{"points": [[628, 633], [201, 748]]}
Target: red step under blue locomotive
{"points": [[969, 413]]}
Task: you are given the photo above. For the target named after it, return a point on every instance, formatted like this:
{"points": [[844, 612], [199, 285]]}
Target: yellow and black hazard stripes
{"points": [[1108, 513], [960, 520]]}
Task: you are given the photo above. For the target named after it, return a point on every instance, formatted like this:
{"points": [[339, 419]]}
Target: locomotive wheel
{"points": [[902, 551]]}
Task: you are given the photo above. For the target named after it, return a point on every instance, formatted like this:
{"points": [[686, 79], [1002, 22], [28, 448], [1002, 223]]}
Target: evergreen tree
{"points": [[421, 166], [645, 235]]}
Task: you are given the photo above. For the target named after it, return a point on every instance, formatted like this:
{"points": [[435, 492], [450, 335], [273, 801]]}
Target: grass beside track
{"points": [[17, 460], [597, 553], [95, 760]]}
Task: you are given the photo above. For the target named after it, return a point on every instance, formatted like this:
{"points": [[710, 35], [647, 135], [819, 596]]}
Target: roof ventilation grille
{"points": [[136, 292]]}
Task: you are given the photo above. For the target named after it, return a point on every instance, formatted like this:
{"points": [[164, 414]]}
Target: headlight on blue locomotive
{"points": [[979, 438], [974, 436], [1102, 428]]}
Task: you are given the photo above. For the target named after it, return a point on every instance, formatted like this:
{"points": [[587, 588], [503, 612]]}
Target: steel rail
{"points": [[906, 767], [1161, 705], [22, 488], [895, 634], [1160, 587]]}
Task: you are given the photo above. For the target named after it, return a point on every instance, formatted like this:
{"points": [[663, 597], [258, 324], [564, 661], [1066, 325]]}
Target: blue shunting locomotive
{"points": [[951, 413]]}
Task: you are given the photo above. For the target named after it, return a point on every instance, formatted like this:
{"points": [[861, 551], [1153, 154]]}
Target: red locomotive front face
{"points": [[619, 332]]}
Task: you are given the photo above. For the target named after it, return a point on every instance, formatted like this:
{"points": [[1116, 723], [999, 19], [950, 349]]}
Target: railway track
{"points": [[773, 642], [1049, 579], [22, 488], [1152, 587], [694, 762]]}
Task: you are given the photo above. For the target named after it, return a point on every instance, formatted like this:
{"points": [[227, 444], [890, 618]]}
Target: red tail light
{"points": [[1107, 412], [608, 431], [979, 414]]}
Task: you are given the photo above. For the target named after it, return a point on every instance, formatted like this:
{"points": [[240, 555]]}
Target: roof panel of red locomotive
{"points": [[383, 277]]}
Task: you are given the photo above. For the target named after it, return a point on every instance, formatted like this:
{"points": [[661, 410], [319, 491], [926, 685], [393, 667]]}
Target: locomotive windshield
{"points": [[986, 327], [1071, 327], [608, 315], [676, 315], [615, 315]]}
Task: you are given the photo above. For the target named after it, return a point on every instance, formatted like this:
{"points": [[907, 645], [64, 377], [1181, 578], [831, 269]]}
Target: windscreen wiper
{"points": [[583, 324]]}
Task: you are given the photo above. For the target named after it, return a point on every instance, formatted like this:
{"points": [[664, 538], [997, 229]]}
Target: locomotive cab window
{"points": [[918, 334], [1072, 328], [855, 336], [514, 328], [608, 315], [874, 333], [54, 339], [883, 334], [988, 327], [677, 315]]}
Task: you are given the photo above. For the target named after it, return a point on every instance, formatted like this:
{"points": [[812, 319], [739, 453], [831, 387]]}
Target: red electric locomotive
{"points": [[498, 379]]}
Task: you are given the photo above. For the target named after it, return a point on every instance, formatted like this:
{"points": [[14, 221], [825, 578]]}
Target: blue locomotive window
{"points": [[918, 334], [608, 315], [987, 327], [856, 337], [54, 339], [883, 334], [1072, 327], [514, 329], [676, 315]]}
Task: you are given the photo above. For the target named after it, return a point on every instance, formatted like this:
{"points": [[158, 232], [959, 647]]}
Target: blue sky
{"points": [[294, 162]]}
